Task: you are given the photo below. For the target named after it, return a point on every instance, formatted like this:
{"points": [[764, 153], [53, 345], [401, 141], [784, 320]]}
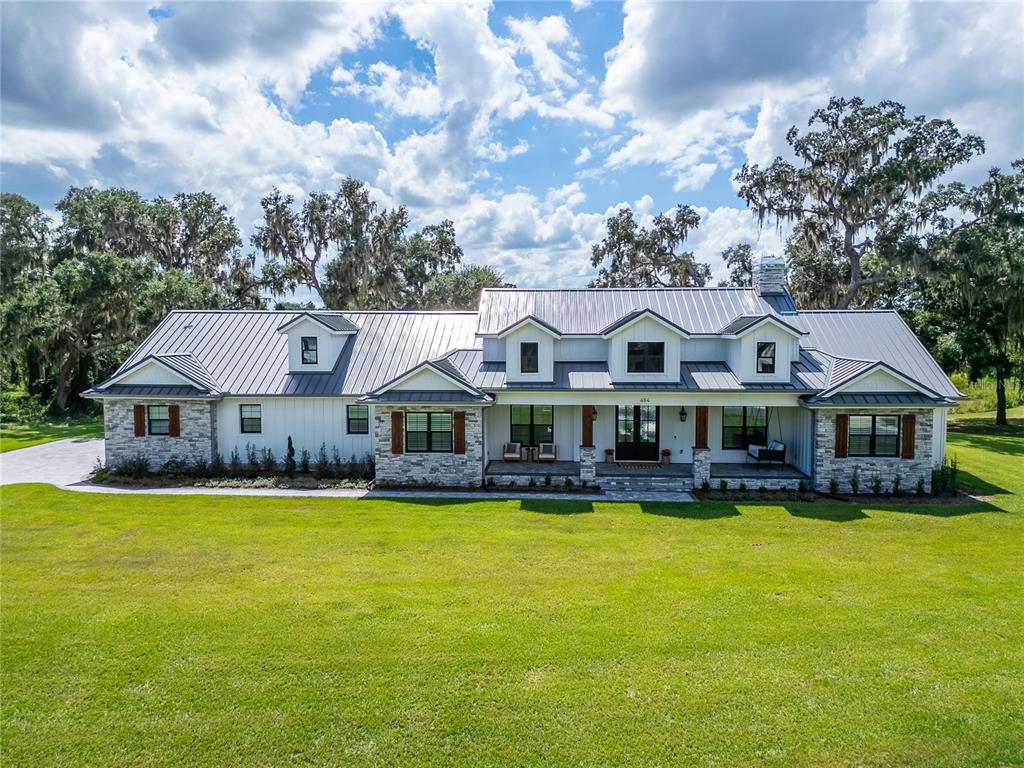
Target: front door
{"points": [[636, 433]]}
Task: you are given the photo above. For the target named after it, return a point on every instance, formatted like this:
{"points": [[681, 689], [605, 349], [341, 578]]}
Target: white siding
{"points": [[582, 350], [939, 435], [645, 329], [545, 352], [743, 355], [328, 347], [427, 379], [879, 381], [704, 350], [309, 420], [154, 373], [494, 350]]}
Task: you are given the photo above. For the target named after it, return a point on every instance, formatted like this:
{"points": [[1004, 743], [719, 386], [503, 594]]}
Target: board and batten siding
{"points": [[309, 420]]}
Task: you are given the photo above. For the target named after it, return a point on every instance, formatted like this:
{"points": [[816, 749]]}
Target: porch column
{"points": [[701, 452], [588, 472]]}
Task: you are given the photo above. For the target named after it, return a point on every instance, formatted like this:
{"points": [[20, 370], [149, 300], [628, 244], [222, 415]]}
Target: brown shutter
{"points": [[397, 426], [174, 421], [459, 432], [587, 412], [909, 430], [140, 421], [702, 427], [842, 435]]}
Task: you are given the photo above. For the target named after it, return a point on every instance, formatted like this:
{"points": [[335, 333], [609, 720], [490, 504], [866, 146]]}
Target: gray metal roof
{"points": [[245, 355], [426, 396], [743, 322], [877, 399], [631, 316], [873, 335], [335, 321], [589, 310], [151, 390]]}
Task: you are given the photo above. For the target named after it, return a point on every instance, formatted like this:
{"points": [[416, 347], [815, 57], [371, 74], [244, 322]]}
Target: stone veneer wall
{"points": [[448, 469], [198, 422], [827, 466]]}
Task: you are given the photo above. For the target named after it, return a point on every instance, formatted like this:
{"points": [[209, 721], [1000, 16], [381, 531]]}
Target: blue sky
{"points": [[526, 123]]}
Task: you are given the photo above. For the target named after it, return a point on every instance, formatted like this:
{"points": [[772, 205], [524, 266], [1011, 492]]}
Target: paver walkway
{"points": [[68, 463]]}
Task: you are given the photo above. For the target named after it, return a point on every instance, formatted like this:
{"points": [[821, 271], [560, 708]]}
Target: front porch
{"points": [[679, 476]]}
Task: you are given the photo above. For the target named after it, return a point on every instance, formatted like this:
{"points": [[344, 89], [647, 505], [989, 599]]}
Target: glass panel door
{"points": [[636, 433]]}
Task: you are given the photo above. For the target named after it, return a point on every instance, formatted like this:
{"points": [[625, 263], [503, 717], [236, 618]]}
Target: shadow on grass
{"points": [[983, 487], [689, 510], [553, 507], [836, 513]]}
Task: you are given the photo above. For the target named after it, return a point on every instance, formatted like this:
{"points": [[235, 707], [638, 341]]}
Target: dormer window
{"points": [[309, 350], [529, 357], [766, 357], [645, 357]]}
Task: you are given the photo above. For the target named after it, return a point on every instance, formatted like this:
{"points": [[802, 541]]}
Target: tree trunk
{"points": [[64, 378], [1000, 398]]}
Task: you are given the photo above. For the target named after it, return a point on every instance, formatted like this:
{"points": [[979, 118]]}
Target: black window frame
{"points": [[532, 428], [150, 420], [767, 360], [304, 349], [523, 345], [242, 419], [645, 356], [749, 434], [430, 432], [349, 420], [873, 436]]}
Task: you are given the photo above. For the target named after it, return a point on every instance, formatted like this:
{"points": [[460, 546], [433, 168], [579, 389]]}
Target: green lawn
{"points": [[218, 631], [15, 435]]}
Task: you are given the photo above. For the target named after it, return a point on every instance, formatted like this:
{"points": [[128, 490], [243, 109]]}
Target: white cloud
{"points": [[537, 39], [583, 156], [403, 92], [579, 5]]}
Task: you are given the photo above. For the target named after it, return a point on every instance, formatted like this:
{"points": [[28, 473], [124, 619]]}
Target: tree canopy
{"points": [[634, 256], [856, 188]]}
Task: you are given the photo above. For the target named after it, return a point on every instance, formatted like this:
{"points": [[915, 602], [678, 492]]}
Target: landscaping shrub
{"points": [[252, 459], [18, 405], [568, 482], [336, 465], [743, 485], [946, 479], [723, 485], [174, 466], [855, 480], [235, 463], [705, 485], [289, 458], [547, 481], [200, 467], [322, 468], [803, 487], [876, 485], [137, 466], [920, 486], [267, 461], [833, 486], [532, 483], [304, 461], [217, 464], [896, 490]]}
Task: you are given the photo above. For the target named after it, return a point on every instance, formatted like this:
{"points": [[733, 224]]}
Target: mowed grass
{"points": [[14, 435], [263, 632]]}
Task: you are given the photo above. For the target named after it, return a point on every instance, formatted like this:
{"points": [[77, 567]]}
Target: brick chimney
{"points": [[770, 275]]}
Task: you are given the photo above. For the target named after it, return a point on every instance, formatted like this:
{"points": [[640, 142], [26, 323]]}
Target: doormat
{"points": [[639, 464]]}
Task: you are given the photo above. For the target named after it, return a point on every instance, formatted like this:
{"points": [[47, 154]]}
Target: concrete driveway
{"points": [[60, 463]]}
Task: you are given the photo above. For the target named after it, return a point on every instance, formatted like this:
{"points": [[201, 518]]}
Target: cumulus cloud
{"points": [[583, 156]]}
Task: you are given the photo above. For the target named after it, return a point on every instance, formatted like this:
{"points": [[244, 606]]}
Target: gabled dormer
{"points": [[315, 340], [529, 350], [643, 346], [761, 348]]}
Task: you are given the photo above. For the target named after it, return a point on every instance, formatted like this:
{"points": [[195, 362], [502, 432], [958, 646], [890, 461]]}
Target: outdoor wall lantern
{"points": [[682, 413]]}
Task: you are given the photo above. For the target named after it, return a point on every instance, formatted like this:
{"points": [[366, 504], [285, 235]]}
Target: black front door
{"points": [[636, 433]]}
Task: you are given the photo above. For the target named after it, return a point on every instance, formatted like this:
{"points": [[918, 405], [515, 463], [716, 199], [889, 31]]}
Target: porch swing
{"points": [[774, 451]]}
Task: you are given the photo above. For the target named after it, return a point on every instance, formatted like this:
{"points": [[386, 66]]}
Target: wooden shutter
{"points": [[140, 421], [397, 427], [842, 435], [587, 415], [174, 421], [459, 432], [702, 427], [909, 432]]}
